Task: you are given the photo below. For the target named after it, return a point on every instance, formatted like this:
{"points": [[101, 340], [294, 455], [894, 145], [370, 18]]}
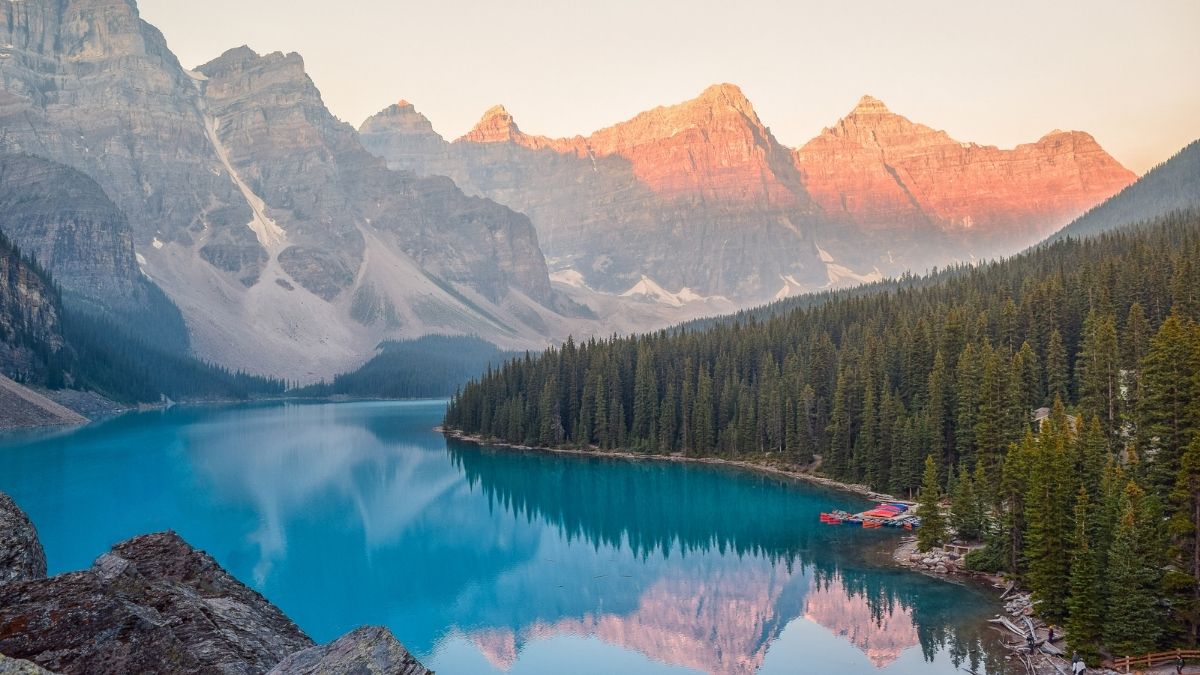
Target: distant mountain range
{"points": [[701, 196], [290, 244]]}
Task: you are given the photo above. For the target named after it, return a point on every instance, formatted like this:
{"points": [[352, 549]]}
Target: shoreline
{"points": [[903, 554], [1009, 600], [795, 475]]}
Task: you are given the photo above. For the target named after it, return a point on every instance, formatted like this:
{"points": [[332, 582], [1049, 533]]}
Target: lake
{"points": [[486, 560]]}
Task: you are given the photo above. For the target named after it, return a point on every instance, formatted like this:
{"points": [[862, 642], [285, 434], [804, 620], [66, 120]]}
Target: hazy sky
{"points": [[998, 73]]}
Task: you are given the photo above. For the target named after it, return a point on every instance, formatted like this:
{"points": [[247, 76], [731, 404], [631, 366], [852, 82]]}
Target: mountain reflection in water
{"points": [[484, 559]]}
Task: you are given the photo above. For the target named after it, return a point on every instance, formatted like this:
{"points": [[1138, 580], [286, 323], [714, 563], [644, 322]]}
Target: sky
{"points": [[996, 73]]}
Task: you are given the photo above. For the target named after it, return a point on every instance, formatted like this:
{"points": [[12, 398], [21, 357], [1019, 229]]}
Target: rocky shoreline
{"points": [[155, 604]]}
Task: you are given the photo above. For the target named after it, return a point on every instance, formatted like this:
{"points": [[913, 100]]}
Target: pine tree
{"points": [[1048, 508], [1171, 373], [1183, 582], [965, 515], [1057, 377], [1133, 618], [837, 461], [1085, 604], [1097, 370], [932, 531], [645, 398]]}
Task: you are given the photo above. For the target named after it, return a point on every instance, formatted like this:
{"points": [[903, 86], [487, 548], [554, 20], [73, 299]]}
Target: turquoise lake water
{"points": [[497, 561]]}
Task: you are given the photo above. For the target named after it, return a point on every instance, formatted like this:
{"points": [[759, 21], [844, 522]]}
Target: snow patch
{"points": [[269, 234], [141, 259], [825, 257], [650, 289], [569, 277], [839, 276], [156, 243]]}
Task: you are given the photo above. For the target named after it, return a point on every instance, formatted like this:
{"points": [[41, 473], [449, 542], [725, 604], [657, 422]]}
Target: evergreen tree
{"points": [[1133, 619], [1171, 373], [966, 516], [1048, 508], [1183, 581], [1085, 604], [1056, 368], [932, 532], [1098, 371]]}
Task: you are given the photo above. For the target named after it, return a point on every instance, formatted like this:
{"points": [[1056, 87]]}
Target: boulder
{"points": [[20, 667], [21, 554], [153, 604], [370, 650]]}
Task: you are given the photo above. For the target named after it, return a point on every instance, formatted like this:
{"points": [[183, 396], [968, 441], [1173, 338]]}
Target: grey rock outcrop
{"points": [[20, 667], [30, 317], [21, 554], [370, 650], [64, 220], [324, 190], [152, 605]]}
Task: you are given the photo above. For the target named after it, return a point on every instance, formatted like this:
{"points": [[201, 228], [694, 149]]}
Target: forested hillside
{"points": [[1170, 186], [945, 374], [428, 367]]}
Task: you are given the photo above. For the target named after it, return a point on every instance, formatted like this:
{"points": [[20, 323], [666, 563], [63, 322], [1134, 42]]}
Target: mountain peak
{"points": [[496, 126], [727, 94], [869, 105]]}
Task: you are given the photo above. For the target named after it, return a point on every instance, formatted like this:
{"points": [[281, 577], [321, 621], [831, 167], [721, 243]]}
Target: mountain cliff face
{"points": [[30, 324], [878, 171], [698, 196], [64, 220], [89, 84], [289, 248]]}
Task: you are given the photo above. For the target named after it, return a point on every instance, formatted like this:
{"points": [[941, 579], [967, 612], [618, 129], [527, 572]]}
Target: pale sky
{"points": [[998, 73]]}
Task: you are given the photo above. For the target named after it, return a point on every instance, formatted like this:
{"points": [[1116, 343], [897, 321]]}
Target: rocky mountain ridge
{"points": [[696, 196], [289, 249], [880, 172], [701, 196]]}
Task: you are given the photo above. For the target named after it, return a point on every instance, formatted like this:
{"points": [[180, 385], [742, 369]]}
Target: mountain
{"points": [[1173, 185], [701, 197], [288, 248], [884, 174], [65, 221], [31, 332], [697, 197]]}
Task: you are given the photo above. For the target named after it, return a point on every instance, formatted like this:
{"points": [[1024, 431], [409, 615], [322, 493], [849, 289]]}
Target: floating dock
{"points": [[886, 514]]}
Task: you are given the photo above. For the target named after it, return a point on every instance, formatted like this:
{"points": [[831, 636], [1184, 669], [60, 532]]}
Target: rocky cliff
{"points": [[30, 317], [154, 604], [699, 197], [289, 248], [878, 172]]}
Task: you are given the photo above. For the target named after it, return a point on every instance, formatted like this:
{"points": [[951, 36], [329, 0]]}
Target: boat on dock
{"points": [[887, 514]]}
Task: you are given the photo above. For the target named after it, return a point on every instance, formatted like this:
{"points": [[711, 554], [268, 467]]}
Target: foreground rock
{"points": [[21, 555], [154, 604], [370, 650], [20, 667]]}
